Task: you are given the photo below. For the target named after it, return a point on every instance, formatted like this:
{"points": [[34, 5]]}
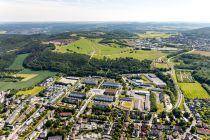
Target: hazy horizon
{"points": [[189, 11]]}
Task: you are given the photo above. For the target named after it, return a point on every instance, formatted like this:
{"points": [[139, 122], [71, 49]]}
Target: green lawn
{"points": [[41, 75], [18, 63], [94, 48], [193, 90]]}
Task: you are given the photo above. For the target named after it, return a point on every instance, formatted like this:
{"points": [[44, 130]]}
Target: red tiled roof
{"points": [[205, 131], [65, 114]]}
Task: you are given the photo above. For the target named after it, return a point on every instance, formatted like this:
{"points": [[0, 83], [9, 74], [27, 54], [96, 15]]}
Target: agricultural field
{"points": [[184, 76], [161, 65], [18, 63], [150, 35], [205, 53], [193, 90], [112, 51], [31, 92], [40, 76], [26, 77]]}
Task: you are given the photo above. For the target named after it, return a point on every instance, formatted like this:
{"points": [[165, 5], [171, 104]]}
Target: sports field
{"points": [[97, 50], [193, 90], [150, 35], [41, 75], [184, 76], [18, 63], [31, 92]]}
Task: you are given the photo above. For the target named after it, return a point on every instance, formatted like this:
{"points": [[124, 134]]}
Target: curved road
{"points": [[179, 92]]}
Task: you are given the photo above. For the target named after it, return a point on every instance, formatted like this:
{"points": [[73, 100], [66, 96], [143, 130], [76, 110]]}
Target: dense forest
{"points": [[12, 45], [200, 65], [82, 65], [198, 33]]}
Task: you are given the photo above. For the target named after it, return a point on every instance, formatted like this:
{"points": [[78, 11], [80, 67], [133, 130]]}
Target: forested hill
{"points": [[199, 64], [82, 65], [201, 33]]}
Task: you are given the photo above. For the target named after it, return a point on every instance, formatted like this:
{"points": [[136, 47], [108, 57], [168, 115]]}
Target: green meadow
{"points": [[41, 75], [193, 90], [32, 77], [93, 48], [150, 35], [18, 63]]}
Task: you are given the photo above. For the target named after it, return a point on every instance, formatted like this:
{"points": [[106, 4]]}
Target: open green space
{"points": [[41, 75], [150, 35], [18, 63], [193, 90], [161, 65], [93, 48], [31, 92]]}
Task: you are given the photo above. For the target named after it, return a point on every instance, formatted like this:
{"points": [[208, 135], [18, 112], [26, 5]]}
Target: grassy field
{"points": [[193, 90], [41, 75], [150, 35], [205, 53], [18, 63], [160, 107], [184, 76], [31, 92], [161, 65], [181, 106], [127, 105], [26, 77], [97, 50]]}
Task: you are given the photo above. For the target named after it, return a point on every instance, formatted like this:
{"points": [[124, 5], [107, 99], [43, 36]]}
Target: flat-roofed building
{"points": [[77, 95], [104, 98], [141, 92], [155, 80], [90, 82], [111, 85], [71, 101], [110, 92]]}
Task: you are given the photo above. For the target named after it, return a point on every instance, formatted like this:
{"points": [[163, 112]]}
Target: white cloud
{"points": [[105, 10]]}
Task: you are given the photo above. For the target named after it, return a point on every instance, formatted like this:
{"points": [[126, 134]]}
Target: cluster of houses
{"points": [[2, 96], [195, 107]]}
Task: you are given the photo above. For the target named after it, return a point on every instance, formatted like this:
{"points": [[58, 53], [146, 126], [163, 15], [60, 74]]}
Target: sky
{"points": [[105, 10]]}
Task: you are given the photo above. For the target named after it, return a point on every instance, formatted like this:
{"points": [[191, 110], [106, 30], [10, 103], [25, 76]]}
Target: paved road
{"points": [[193, 122], [87, 102], [179, 92], [12, 135]]}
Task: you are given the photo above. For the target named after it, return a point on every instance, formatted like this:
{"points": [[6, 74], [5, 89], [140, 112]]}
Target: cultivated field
{"points": [[31, 92], [151, 35], [205, 53], [41, 75], [18, 63], [26, 77], [113, 51], [193, 90], [161, 65], [184, 76]]}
